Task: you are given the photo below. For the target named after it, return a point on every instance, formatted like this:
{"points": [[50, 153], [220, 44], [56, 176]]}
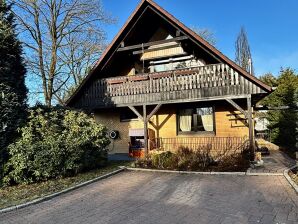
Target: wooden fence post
{"points": [[145, 129], [251, 128]]}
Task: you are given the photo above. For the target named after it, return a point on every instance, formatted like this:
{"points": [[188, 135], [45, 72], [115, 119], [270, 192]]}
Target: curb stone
{"points": [[205, 173], [50, 196], [263, 174], [291, 182]]}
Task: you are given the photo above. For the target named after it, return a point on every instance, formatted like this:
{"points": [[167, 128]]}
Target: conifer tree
{"points": [[13, 91]]}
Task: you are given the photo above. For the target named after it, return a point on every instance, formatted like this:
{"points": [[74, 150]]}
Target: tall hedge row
{"points": [[55, 142]]}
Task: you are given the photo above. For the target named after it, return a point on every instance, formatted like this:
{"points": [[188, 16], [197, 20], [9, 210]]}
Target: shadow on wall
{"points": [[237, 119], [159, 123]]}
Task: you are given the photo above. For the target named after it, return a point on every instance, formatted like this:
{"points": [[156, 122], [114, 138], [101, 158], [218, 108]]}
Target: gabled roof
{"points": [[112, 48]]}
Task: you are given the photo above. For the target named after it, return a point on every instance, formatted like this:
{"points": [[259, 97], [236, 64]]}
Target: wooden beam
{"points": [[156, 108], [234, 104], [136, 112], [145, 130], [154, 49], [203, 47], [153, 125], [251, 128], [152, 43], [187, 100]]}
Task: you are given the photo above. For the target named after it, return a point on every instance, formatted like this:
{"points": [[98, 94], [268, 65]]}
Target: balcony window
{"points": [[196, 120], [175, 63]]}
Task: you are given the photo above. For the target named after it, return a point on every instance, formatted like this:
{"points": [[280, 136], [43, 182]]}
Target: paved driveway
{"points": [[143, 197]]}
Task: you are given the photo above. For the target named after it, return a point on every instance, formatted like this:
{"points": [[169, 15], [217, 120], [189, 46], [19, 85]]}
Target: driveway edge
{"points": [[204, 173], [289, 179], [50, 196]]}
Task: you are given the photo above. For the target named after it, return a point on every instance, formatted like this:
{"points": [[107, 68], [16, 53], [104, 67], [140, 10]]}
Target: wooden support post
{"points": [[146, 119], [251, 128], [145, 129], [133, 109], [156, 108]]}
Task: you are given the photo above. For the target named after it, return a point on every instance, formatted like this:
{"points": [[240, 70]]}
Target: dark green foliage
{"points": [[269, 79], [12, 83], [283, 122], [56, 142]]}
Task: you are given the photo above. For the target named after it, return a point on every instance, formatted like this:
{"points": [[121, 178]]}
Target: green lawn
{"points": [[15, 195]]}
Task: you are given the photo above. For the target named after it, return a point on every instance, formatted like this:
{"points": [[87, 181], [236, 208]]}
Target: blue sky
{"points": [[271, 25]]}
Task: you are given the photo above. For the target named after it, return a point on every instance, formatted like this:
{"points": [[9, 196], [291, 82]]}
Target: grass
{"points": [[14, 195]]}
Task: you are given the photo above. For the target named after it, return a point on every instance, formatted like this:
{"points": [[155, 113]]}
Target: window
{"points": [[127, 115], [200, 119]]}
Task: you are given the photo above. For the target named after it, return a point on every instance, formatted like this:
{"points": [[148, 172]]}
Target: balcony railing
{"points": [[191, 83], [176, 80]]}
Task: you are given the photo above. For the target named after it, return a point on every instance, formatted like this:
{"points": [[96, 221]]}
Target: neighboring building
{"points": [[261, 123], [159, 75]]}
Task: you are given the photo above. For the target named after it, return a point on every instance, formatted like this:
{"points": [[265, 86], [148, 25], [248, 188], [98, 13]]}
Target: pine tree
{"points": [[243, 54], [13, 91], [283, 122]]}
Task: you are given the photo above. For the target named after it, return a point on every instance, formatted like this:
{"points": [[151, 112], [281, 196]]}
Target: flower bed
{"points": [[186, 159]]}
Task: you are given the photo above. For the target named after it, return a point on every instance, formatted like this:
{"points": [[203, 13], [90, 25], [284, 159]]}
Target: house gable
{"points": [[149, 23]]}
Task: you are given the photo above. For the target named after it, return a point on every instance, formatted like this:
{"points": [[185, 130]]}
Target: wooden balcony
{"points": [[183, 85]]}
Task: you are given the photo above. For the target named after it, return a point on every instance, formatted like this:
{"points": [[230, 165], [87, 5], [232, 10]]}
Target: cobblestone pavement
{"points": [[276, 162], [146, 197]]}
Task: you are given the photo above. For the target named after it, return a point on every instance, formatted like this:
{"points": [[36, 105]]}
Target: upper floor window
{"points": [[199, 119], [175, 63]]}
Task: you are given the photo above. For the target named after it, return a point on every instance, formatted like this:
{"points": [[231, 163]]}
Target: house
{"points": [[160, 85]]}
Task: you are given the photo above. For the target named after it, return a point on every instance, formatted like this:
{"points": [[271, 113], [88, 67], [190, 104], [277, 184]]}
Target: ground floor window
{"points": [[196, 120]]}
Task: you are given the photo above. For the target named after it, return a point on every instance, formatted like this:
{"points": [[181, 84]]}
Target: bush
{"points": [[195, 160], [164, 160], [189, 159], [55, 143], [183, 159]]}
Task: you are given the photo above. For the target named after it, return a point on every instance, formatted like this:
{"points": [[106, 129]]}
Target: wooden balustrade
{"points": [[176, 80], [191, 83]]}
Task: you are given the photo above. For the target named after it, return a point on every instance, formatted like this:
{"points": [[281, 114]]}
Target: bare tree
{"points": [[79, 56], [243, 54], [63, 39], [206, 34]]}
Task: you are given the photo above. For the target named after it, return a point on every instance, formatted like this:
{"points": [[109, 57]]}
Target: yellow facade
{"points": [[228, 123]]}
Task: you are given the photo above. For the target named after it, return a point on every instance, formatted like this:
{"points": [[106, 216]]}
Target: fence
{"points": [[215, 144]]}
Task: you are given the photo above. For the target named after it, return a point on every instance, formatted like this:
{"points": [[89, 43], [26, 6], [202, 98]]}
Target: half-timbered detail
{"points": [[160, 77]]}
